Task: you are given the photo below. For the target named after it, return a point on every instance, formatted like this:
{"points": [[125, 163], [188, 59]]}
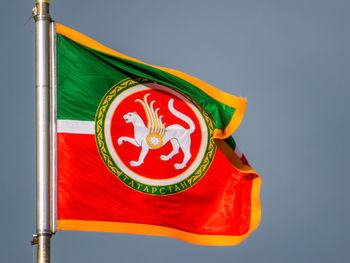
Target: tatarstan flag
{"points": [[148, 150]]}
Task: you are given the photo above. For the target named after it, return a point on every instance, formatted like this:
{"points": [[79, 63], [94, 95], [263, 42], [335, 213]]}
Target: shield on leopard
{"points": [[153, 138]]}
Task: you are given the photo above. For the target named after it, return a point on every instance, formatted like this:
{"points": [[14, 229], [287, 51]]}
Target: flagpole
{"points": [[53, 128], [42, 24]]}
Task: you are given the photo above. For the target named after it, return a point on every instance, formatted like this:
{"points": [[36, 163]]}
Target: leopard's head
{"points": [[130, 117]]}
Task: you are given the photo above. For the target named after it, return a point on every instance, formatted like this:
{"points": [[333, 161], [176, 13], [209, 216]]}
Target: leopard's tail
{"points": [[181, 116]]}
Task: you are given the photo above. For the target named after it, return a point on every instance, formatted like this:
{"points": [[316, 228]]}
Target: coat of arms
{"points": [[156, 140]]}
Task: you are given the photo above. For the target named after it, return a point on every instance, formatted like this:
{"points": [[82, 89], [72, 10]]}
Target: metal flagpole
{"points": [[42, 23], [53, 126]]}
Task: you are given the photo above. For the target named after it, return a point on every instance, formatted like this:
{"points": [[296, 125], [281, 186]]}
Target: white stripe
{"points": [[80, 127], [238, 152]]}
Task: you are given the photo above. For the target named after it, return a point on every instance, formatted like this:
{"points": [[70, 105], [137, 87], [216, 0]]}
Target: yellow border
{"points": [[209, 240], [131, 228], [255, 204], [142, 229], [236, 102]]}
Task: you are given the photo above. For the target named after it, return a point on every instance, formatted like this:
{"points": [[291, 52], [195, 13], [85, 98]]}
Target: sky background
{"points": [[291, 59]]}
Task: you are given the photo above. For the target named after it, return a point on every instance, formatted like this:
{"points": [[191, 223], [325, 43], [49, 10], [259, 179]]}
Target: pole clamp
{"points": [[41, 12], [34, 240]]}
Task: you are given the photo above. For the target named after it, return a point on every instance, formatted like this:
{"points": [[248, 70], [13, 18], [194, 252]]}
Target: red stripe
{"points": [[218, 204]]}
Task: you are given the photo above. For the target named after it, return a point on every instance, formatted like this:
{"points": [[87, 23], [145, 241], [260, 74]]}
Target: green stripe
{"points": [[230, 141], [84, 75]]}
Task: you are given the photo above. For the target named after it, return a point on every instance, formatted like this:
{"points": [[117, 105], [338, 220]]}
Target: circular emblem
{"points": [[153, 138]]}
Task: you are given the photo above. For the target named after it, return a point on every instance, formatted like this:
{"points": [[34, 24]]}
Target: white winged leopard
{"points": [[155, 135]]}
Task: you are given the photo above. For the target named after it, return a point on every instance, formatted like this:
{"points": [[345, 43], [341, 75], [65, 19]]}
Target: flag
{"points": [[147, 150]]}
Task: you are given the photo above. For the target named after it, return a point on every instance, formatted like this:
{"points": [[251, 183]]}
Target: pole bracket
{"points": [[41, 12], [35, 238], [34, 241]]}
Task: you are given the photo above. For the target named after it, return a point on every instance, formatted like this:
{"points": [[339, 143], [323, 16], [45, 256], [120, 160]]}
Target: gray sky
{"points": [[289, 58]]}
